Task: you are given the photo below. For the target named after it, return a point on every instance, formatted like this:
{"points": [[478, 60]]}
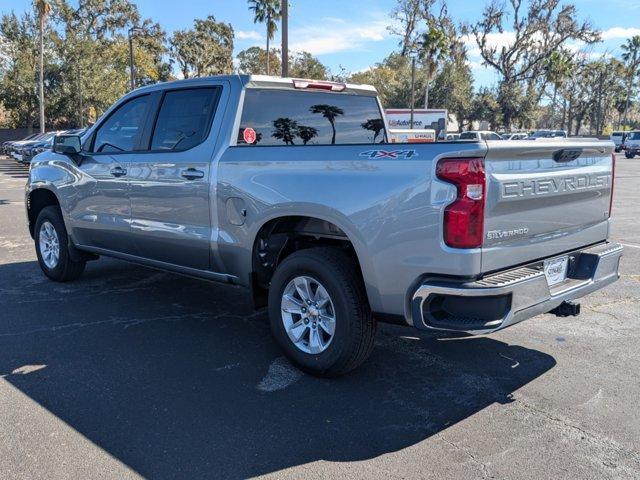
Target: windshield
{"points": [[468, 136], [48, 136], [616, 134], [543, 134]]}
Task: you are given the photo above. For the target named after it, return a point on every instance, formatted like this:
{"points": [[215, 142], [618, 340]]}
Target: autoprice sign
{"points": [[400, 119]]}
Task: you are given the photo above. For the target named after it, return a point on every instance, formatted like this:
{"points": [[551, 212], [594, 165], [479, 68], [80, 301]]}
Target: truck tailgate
{"points": [[542, 200]]}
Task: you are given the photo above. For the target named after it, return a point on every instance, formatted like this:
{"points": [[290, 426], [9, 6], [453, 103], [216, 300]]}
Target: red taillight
{"points": [[613, 181], [331, 86], [464, 218]]}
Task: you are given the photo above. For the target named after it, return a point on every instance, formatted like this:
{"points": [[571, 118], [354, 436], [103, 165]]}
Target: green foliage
{"points": [[18, 91], [305, 65], [86, 60], [205, 50], [486, 107], [392, 79], [544, 28], [253, 60]]}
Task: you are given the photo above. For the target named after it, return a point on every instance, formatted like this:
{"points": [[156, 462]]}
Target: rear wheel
{"points": [[319, 312], [629, 154], [52, 247]]}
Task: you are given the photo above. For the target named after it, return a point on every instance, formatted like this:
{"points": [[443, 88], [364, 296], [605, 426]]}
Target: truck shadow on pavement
{"points": [[180, 379]]}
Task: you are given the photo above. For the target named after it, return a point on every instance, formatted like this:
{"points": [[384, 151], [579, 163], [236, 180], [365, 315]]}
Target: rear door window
{"points": [[286, 117], [184, 118]]}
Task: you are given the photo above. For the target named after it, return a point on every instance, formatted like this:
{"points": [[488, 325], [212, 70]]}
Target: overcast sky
{"points": [[353, 33]]}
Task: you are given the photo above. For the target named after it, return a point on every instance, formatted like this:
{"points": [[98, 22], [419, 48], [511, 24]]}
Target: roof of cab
{"points": [[264, 81], [256, 81]]}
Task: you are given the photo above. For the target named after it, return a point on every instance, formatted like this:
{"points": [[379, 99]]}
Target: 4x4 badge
{"points": [[389, 154]]}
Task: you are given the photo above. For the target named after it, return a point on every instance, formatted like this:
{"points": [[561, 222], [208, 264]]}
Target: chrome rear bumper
{"points": [[504, 298]]}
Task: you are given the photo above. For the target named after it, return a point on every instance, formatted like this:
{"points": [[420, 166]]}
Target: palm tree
{"points": [[558, 67], [330, 112], [375, 125], [631, 57], [433, 47], [43, 7], [307, 133], [269, 13], [285, 129]]}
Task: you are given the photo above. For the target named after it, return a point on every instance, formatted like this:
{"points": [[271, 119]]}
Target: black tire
{"points": [[66, 269], [629, 154], [355, 327]]}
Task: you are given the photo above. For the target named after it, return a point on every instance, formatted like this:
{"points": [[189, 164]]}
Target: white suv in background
{"points": [[618, 140], [478, 135], [632, 144]]}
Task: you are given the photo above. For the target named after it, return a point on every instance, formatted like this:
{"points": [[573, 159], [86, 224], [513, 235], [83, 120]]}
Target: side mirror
{"points": [[67, 144]]}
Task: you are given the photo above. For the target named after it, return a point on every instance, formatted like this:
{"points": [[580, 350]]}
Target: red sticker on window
{"points": [[249, 135]]}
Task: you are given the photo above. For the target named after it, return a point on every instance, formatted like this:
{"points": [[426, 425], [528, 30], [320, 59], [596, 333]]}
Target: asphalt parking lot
{"points": [[132, 373]]}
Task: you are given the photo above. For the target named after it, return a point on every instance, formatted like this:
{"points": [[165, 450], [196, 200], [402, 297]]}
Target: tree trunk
{"points": [[626, 102], [553, 106], [41, 79], [506, 117], [268, 21], [426, 94], [578, 123], [285, 37]]}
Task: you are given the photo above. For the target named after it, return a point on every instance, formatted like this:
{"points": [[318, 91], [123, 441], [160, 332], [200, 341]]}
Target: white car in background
{"points": [[515, 136], [479, 135], [548, 134]]}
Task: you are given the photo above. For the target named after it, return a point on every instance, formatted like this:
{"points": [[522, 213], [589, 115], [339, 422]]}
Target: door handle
{"points": [[192, 174], [118, 171]]}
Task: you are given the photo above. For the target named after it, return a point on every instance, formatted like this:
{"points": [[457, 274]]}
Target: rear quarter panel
{"points": [[390, 208]]}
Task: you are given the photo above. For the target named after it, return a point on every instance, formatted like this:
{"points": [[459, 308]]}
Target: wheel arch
{"points": [[36, 200], [304, 229]]}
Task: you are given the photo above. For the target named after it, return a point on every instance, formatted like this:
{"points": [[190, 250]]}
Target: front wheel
{"points": [[319, 312], [629, 154], [52, 247]]}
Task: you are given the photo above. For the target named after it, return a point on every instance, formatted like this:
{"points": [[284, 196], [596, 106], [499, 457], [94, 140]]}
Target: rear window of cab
{"points": [[287, 118]]}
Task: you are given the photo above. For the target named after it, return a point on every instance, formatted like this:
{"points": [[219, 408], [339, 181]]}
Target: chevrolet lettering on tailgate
{"points": [[552, 186]]}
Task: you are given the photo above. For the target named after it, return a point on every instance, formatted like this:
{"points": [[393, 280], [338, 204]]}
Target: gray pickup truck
{"points": [[290, 189]]}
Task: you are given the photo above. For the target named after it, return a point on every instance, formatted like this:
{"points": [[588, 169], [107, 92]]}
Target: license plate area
{"points": [[555, 270]]}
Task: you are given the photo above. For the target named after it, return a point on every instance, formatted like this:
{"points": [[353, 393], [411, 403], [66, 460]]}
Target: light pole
{"points": [[285, 38], [132, 72]]}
